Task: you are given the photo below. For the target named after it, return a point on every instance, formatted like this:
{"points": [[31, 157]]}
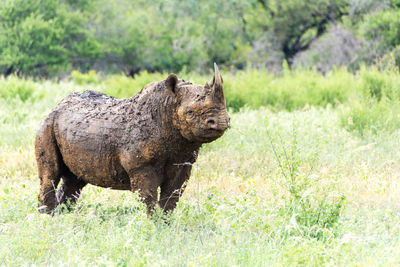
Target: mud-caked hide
{"points": [[145, 142]]}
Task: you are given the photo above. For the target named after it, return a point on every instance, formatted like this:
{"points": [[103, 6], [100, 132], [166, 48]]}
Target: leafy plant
{"points": [[15, 88], [310, 212], [84, 78]]}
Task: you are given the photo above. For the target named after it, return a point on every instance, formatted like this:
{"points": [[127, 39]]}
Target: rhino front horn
{"points": [[217, 80], [216, 85]]}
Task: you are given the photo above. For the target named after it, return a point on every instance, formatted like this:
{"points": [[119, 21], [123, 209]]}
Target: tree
{"points": [[169, 35], [293, 24], [42, 37], [383, 28]]}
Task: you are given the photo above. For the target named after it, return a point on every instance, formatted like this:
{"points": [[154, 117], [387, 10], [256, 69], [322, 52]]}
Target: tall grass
{"points": [[239, 207], [292, 90]]}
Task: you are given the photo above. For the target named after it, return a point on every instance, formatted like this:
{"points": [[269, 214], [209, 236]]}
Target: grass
{"points": [[280, 188]]}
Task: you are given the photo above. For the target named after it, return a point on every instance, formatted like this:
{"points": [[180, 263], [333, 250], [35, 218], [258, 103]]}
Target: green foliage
{"points": [[84, 78], [169, 36], [371, 116], [291, 91], [377, 106], [249, 88], [383, 28], [296, 24], [310, 213], [14, 88], [42, 37], [50, 37]]}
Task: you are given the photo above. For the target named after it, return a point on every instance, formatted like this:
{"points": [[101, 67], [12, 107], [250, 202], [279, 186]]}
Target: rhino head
{"points": [[200, 113]]}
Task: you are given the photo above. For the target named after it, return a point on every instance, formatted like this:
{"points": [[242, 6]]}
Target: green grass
{"points": [[282, 187]]}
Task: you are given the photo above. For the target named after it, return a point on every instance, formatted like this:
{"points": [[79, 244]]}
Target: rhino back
{"points": [[92, 128]]}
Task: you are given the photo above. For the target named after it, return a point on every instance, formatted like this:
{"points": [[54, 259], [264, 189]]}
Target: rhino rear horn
{"points": [[171, 82]]}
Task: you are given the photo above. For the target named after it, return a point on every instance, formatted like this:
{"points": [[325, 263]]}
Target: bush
{"points": [[338, 47], [375, 107], [371, 116], [310, 211], [16, 88], [43, 37], [249, 88], [383, 28], [292, 90], [84, 78]]}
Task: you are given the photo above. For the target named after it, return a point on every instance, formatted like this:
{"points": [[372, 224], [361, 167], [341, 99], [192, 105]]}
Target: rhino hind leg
{"points": [[50, 164], [49, 180], [70, 189]]}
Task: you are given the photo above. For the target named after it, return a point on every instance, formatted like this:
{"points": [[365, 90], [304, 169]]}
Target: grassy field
{"points": [[294, 184]]}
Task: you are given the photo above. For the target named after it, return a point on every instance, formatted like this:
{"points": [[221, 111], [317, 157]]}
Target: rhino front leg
{"points": [[146, 180], [173, 187]]}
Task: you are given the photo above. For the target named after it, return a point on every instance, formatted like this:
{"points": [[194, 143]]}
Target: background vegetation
{"points": [[53, 37]]}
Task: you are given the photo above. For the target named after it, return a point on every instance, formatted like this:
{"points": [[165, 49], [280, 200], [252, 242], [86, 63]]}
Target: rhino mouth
{"points": [[214, 133], [210, 135]]}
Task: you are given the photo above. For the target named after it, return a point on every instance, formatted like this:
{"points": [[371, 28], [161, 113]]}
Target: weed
{"points": [[310, 213]]}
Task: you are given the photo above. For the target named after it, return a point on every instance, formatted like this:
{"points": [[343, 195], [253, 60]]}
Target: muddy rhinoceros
{"points": [[141, 143]]}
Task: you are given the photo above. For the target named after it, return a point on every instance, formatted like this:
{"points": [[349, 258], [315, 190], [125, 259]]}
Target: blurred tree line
{"points": [[52, 37]]}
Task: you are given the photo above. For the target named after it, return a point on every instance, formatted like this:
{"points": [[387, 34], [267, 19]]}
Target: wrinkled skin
{"points": [[146, 142]]}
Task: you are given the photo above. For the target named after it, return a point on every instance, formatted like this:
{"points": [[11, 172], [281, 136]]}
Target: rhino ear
{"points": [[171, 82]]}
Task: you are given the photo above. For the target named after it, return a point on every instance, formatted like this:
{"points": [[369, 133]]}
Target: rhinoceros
{"points": [[145, 142]]}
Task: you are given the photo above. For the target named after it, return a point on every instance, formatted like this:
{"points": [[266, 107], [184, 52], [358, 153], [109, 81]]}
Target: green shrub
{"points": [[373, 85], [381, 83], [303, 87], [375, 107], [371, 116], [383, 28], [43, 37], [249, 88], [310, 211], [292, 90], [16, 88], [84, 78]]}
